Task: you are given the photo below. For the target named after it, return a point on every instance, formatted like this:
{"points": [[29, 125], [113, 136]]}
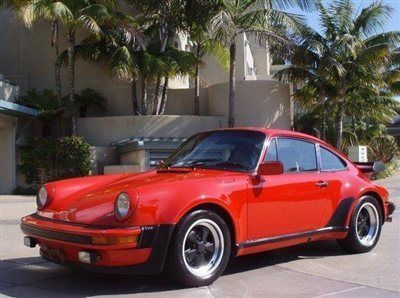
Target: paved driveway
{"points": [[317, 269]]}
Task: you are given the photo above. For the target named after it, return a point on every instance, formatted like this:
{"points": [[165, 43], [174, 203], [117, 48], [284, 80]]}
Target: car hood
{"points": [[92, 198]]}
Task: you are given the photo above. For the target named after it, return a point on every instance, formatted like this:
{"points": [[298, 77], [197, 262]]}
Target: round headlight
{"points": [[41, 198], [122, 206]]}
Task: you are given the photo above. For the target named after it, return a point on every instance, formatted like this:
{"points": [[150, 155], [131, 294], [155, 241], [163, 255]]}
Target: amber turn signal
{"points": [[114, 240]]}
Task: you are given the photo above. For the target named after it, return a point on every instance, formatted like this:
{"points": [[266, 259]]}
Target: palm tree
{"points": [[72, 15], [51, 11], [236, 17], [47, 104], [348, 61]]}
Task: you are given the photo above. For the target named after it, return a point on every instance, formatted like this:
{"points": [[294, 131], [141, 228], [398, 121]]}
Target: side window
{"points": [[297, 155], [330, 162], [271, 153]]}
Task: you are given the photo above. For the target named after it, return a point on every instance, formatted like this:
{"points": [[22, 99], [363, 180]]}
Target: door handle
{"points": [[322, 184]]}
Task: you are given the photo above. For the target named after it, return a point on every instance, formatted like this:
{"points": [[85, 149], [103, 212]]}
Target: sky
{"points": [[392, 24]]}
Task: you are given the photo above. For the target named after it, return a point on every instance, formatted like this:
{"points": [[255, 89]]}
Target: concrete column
{"points": [[7, 160]]}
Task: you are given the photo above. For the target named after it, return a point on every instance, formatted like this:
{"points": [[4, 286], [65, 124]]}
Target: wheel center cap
{"points": [[201, 247]]}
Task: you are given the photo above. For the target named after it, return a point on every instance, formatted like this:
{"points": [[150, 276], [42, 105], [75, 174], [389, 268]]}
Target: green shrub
{"points": [[45, 160], [25, 191]]}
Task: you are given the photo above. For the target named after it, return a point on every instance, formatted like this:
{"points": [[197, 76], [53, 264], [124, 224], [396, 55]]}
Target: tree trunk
{"points": [[71, 81], [164, 97], [57, 68], [232, 84], [135, 103], [197, 84], [339, 125], [156, 99], [144, 95], [324, 101], [57, 72]]}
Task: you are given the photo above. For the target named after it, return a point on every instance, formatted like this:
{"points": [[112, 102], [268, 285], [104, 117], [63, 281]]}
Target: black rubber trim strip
{"points": [[147, 236], [33, 231], [153, 265], [37, 216], [274, 239], [391, 208]]}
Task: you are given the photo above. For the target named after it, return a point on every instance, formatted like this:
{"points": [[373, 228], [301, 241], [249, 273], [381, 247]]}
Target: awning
{"points": [[16, 110]]}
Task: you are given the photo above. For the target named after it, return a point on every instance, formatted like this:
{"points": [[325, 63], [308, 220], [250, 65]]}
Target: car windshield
{"points": [[237, 150]]}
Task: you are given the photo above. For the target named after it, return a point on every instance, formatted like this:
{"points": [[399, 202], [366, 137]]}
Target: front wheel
{"points": [[365, 226], [200, 249]]}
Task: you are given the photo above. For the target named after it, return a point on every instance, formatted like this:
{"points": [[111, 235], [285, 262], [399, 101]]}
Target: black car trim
{"points": [[268, 240], [339, 217], [42, 233], [391, 208]]}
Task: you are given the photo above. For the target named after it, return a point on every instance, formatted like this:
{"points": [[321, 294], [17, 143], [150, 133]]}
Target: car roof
{"points": [[275, 132], [271, 132]]}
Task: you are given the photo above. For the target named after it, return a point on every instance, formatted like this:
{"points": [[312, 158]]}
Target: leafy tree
{"points": [[51, 11], [261, 17], [73, 15], [344, 67], [46, 103], [163, 20], [198, 16], [86, 99]]}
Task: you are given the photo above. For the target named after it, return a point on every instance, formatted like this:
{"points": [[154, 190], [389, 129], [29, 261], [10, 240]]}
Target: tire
{"points": [[199, 250], [365, 226]]}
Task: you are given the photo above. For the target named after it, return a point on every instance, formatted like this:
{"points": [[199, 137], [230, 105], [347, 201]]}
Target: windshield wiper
{"points": [[192, 163], [233, 164]]}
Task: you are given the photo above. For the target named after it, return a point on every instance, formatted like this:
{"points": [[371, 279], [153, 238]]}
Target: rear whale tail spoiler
{"points": [[369, 168]]}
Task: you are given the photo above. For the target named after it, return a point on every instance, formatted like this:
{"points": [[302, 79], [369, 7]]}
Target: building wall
{"points": [[7, 154], [258, 103], [101, 131]]}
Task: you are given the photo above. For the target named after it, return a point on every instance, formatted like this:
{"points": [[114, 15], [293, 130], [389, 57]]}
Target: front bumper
{"points": [[142, 250]]}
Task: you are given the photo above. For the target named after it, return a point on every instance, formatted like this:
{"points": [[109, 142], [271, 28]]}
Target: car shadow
{"points": [[59, 280]]}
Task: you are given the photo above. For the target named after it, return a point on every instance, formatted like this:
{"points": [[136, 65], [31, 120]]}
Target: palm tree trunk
{"points": [[156, 99], [144, 95], [164, 97], [57, 71], [324, 117], [339, 124], [232, 84], [57, 68], [135, 103], [197, 84], [71, 81]]}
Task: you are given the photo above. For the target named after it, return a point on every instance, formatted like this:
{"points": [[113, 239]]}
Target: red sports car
{"points": [[223, 193]]}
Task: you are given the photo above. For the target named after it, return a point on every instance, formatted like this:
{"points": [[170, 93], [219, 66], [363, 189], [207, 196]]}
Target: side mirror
{"points": [[270, 168], [160, 163]]}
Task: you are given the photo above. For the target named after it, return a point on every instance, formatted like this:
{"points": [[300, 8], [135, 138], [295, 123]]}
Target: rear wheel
{"points": [[199, 250], [365, 226]]}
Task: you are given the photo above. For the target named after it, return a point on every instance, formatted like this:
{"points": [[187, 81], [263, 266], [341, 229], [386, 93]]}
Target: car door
{"points": [[290, 202]]}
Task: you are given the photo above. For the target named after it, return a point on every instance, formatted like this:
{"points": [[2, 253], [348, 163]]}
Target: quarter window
{"points": [[331, 162], [297, 155], [272, 154]]}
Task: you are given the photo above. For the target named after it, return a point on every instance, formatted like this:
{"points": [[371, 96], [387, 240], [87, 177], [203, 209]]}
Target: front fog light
{"points": [[88, 257]]}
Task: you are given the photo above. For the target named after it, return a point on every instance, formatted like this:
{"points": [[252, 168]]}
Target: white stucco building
{"points": [[26, 60]]}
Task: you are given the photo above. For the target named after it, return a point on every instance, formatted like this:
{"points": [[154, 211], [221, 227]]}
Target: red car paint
{"points": [[264, 212]]}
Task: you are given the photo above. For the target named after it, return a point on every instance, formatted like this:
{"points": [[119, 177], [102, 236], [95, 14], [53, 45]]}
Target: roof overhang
{"points": [[16, 110]]}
